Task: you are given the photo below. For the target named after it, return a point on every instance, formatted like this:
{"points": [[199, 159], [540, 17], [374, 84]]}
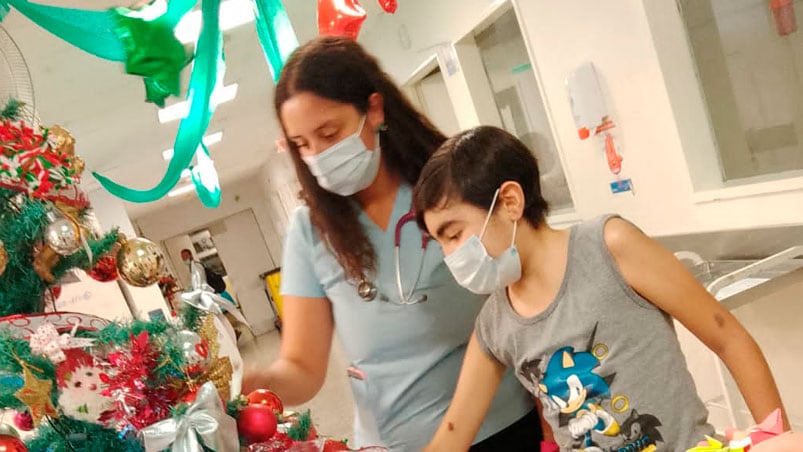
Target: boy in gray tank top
{"points": [[583, 316]]}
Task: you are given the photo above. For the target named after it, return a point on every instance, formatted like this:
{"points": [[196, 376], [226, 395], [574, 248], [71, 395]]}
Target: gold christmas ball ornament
{"points": [[3, 257], [63, 236], [61, 139], [140, 262]]}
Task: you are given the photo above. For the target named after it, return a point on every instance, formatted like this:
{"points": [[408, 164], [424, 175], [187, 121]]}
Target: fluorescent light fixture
{"points": [[184, 189], [233, 13], [209, 140], [180, 110]]}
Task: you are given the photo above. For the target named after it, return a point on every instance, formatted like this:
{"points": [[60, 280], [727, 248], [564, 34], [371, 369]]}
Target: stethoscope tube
{"points": [[368, 291]]}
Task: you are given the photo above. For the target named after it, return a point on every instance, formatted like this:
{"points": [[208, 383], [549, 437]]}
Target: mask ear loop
{"points": [[513, 239], [490, 212], [362, 124]]}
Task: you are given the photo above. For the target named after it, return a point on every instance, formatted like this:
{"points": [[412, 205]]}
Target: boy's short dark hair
{"points": [[471, 166]]}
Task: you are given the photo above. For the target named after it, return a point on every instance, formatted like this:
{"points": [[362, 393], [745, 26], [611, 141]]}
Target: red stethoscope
{"points": [[368, 291]]}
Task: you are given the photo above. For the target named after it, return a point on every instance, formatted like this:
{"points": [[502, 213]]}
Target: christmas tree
{"points": [[43, 228], [81, 383]]}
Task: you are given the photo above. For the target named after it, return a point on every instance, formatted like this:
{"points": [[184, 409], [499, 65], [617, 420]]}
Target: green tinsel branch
{"points": [[120, 333], [82, 437], [21, 230], [192, 316], [13, 110], [301, 429], [14, 350], [79, 259], [171, 360], [21, 288]]}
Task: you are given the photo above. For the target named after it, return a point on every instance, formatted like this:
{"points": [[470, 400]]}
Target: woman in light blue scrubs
{"points": [[358, 146]]}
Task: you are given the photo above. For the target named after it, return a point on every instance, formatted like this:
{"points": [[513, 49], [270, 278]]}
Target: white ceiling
{"points": [[118, 134]]}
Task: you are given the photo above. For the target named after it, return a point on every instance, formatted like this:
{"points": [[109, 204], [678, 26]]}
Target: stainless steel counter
{"points": [[747, 244]]}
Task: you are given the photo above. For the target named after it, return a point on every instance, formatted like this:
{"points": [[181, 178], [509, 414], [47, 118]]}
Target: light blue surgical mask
{"points": [[474, 269], [348, 166]]}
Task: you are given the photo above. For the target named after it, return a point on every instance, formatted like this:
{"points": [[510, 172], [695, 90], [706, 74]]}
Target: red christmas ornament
{"points": [[256, 423], [267, 398], [105, 270], [334, 446], [388, 5], [23, 421], [56, 292], [340, 18], [11, 444]]}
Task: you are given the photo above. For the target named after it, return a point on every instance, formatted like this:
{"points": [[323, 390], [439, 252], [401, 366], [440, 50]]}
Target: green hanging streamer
{"points": [[90, 31], [205, 179], [149, 49], [206, 74], [275, 34]]}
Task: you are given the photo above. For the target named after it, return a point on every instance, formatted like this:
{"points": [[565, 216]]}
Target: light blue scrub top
{"points": [[410, 354]]}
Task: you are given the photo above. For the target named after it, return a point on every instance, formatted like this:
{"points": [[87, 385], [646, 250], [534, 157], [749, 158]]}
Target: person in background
{"points": [[216, 282], [358, 146], [583, 316]]}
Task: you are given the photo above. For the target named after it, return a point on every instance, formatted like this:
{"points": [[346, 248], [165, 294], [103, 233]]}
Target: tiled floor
{"points": [[332, 409]]}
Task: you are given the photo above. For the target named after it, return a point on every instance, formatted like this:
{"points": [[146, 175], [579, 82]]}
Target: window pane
{"points": [[519, 102], [750, 65]]}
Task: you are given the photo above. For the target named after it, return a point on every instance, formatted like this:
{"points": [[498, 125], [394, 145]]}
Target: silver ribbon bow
{"points": [[205, 419], [47, 341], [202, 296]]}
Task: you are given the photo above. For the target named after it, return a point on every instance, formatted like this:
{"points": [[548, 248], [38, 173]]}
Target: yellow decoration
{"points": [[713, 446], [3, 257], [208, 332], [35, 393], [219, 374], [221, 369]]}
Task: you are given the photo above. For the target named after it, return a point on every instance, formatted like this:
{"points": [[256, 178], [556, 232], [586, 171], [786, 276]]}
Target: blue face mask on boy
{"points": [[348, 166], [474, 269]]}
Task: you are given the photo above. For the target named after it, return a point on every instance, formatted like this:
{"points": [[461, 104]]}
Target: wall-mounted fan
{"points": [[15, 79]]}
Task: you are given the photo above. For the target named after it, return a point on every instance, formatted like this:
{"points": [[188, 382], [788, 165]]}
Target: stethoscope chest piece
{"points": [[366, 290]]}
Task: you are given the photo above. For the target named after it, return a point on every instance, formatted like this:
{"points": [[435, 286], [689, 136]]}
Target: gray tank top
{"points": [[605, 363]]}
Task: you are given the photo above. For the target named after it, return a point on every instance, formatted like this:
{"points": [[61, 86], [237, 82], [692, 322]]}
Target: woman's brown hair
{"points": [[339, 69]]}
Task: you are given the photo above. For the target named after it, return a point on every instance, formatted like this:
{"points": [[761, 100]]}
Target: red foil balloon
{"points": [[340, 18], [256, 423], [105, 270], [267, 398], [388, 5], [11, 444]]}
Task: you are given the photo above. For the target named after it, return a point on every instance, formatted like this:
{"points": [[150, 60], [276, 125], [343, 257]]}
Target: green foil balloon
{"points": [[152, 50]]}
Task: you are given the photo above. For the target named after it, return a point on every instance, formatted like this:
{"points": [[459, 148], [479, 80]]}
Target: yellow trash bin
{"points": [[273, 282]]}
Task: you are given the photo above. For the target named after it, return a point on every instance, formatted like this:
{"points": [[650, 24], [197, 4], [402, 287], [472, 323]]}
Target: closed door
{"points": [[242, 249]]}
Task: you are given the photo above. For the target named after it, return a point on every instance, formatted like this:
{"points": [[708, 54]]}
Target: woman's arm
{"points": [[480, 377], [299, 373], [655, 273]]}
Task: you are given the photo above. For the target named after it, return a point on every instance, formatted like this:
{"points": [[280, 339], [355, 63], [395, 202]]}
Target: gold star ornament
{"points": [[35, 393]]}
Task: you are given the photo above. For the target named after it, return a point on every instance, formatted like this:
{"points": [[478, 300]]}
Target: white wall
{"points": [[110, 213], [653, 127], [190, 215], [280, 190]]}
